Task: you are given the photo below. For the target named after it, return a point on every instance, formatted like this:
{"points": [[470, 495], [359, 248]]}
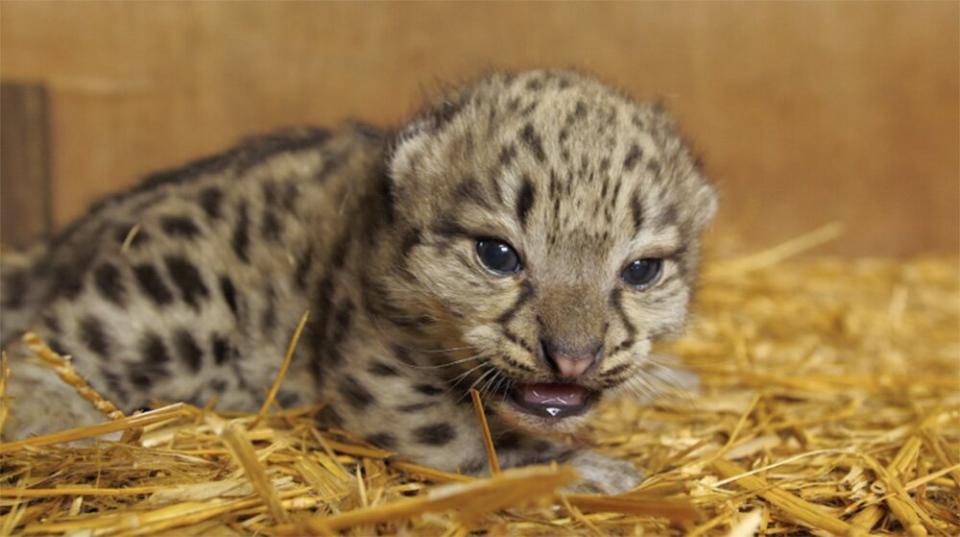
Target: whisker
{"points": [[448, 364], [476, 382], [495, 378], [446, 349], [456, 380]]}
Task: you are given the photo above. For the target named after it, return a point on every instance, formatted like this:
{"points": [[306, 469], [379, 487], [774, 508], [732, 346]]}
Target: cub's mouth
{"points": [[553, 400]]}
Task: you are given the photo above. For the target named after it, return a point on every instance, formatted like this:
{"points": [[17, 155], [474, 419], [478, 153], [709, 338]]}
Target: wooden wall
{"points": [[805, 112]]}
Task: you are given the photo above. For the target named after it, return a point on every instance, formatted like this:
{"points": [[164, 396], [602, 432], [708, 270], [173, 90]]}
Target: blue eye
{"points": [[643, 272], [498, 256]]}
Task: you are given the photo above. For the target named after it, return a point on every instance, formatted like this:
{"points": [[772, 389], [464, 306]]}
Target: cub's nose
{"points": [[569, 362]]}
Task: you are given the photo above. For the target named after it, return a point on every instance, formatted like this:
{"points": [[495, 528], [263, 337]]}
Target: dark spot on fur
{"points": [[428, 389], [337, 329], [93, 336], [446, 112], [181, 227], [525, 200], [221, 350], [241, 234], [270, 226], [57, 346], [355, 394], [580, 111], [507, 154], [616, 300], [52, 323], [303, 267], [329, 417], [338, 253], [140, 378], [151, 283], [381, 369], [269, 191], [188, 350], [633, 156], [532, 140], [268, 320], [211, 199], [616, 370], [410, 239], [437, 434], [153, 349], [416, 407], [526, 293], [384, 440], [636, 210], [70, 282], [469, 190], [508, 440], [229, 294], [152, 365], [290, 193], [14, 289], [542, 446], [450, 228], [114, 384], [188, 279], [107, 279], [669, 216], [288, 399]]}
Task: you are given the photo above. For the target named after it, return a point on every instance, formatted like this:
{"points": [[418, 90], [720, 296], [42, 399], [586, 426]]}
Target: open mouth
{"points": [[553, 400]]}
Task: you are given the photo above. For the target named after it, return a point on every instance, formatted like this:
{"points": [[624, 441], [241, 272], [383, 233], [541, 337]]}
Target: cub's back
{"points": [[156, 290]]}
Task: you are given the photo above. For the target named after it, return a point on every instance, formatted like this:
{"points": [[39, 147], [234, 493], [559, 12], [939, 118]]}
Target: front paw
{"points": [[600, 474]]}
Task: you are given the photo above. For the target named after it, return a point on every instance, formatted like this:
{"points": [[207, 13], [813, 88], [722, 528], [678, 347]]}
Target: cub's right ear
{"points": [[409, 150], [418, 144]]}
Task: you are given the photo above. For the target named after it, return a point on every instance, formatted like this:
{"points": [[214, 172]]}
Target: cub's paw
{"points": [[600, 474]]}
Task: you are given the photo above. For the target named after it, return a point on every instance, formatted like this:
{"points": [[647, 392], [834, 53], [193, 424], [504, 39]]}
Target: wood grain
{"points": [[24, 164], [805, 112]]}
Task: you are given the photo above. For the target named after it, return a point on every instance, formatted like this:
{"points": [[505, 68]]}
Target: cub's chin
{"points": [[547, 408]]}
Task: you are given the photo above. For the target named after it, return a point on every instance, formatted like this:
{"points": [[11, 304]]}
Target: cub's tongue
{"points": [[552, 400], [553, 394]]}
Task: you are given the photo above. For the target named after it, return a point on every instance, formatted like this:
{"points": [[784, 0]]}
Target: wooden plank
{"points": [[805, 112], [24, 164]]}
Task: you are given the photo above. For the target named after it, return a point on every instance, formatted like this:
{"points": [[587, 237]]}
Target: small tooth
{"points": [[553, 411]]}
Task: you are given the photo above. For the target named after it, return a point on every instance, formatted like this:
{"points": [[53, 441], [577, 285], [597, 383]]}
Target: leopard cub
{"points": [[529, 236]]}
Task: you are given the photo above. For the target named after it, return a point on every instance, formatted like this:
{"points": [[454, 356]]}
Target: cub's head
{"points": [[547, 230]]}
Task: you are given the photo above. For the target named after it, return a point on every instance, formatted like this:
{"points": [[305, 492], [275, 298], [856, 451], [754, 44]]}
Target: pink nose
{"points": [[572, 367], [569, 364]]}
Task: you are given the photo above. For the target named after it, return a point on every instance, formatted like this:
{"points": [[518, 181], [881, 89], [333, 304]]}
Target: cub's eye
{"points": [[643, 272], [498, 256]]}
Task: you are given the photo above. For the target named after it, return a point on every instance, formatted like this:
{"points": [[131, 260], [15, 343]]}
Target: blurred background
{"points": [[805, 113]]}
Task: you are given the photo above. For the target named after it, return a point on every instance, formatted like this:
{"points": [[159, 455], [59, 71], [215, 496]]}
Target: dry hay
{"points": [[829, 404]]}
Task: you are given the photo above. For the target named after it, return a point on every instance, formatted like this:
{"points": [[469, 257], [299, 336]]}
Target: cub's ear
{"points": [[706, 200], [417, 145], [409, 148]]}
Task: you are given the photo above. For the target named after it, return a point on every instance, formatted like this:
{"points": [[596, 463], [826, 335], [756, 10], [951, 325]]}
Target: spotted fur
{"points": [[188, 286]]}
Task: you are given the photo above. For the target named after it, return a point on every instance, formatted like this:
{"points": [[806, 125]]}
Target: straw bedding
{"points": [[829, 403]]}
